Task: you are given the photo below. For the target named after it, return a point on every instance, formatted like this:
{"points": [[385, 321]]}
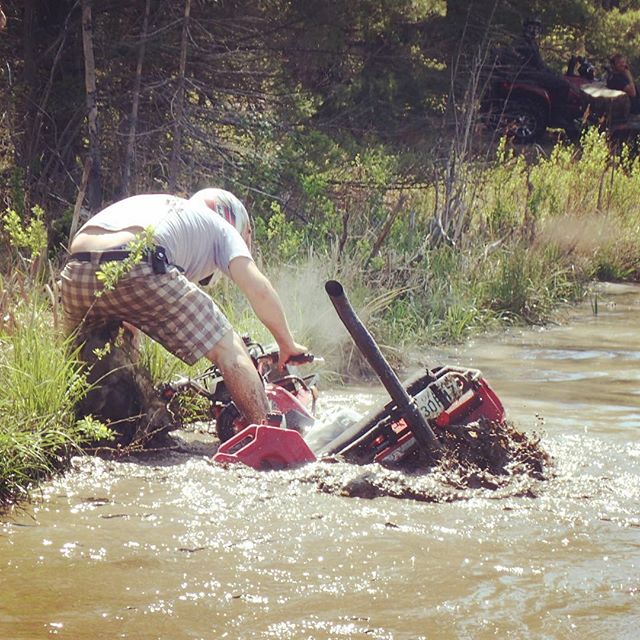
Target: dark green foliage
{"points": [[276, 91]]}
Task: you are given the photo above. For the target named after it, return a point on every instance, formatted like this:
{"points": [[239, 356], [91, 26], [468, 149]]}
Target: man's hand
{"points": [[288, 351]]}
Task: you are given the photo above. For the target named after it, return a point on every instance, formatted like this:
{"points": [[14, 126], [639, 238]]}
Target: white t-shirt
{"points": [[195, 238]]}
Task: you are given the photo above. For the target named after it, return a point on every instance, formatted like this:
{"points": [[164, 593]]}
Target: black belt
{"points": [[100, 257], [155, 256]]}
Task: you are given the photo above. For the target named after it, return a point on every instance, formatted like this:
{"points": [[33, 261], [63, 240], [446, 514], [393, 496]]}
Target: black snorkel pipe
{"points": [[422, 432]]}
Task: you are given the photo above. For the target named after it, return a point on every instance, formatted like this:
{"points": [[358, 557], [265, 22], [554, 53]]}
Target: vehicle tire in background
{"points": [[523, 121], [229, 422]]}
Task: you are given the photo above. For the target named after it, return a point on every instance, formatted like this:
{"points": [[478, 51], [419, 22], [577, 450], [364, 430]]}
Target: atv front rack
{"points": [[445, 396]]}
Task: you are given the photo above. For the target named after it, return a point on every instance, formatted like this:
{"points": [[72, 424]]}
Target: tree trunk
{"points": [[386, 228], [174, 166], [133, 123], [77, 209], [94, 187], [30, 138]]}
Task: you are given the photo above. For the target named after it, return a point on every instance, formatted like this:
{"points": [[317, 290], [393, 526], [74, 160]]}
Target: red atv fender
{"points": [[264, 448]]}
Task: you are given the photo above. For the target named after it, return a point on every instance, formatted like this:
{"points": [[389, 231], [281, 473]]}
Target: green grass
{"points": [[41, 383]]}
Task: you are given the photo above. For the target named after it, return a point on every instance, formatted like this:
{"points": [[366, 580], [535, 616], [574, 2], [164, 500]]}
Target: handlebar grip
{"points": [[303, 358]]}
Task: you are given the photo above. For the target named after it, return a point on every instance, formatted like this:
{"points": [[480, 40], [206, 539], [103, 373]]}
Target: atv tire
{"points": [[523, 121], [228, 423]]}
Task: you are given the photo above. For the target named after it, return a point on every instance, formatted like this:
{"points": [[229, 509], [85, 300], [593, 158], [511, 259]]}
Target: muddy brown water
{"points": [[176, 547]]}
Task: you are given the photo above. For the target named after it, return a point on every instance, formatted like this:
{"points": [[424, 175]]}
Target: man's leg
{"points": [[240, 376]]}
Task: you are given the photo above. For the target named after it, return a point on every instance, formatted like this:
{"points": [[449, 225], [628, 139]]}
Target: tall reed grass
{"points": [[41, 383], [537, 231]]}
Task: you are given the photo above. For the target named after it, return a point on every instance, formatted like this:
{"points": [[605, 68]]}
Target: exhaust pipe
{"points": [[366, 344]]}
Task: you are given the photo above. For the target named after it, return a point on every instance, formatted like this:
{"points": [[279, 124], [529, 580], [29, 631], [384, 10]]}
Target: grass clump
{"points": [[41, 384], [42, 379]]}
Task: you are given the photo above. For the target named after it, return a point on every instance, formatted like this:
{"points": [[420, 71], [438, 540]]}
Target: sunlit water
{"points": [[177, 547]]}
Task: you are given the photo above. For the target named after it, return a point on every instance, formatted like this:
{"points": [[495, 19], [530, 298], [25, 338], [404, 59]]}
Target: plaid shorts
{"points": [[167, 307]]}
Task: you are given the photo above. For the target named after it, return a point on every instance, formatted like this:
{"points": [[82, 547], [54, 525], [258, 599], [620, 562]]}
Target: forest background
{"points": [[346, 127], [350, 131]]}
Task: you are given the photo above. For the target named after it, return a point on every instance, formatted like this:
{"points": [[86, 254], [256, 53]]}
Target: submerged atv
{"points": [[404, 432]]}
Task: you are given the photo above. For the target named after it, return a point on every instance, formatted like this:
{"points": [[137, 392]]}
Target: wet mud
{"points": [[480, 457], [122, 394], [483, 454]]}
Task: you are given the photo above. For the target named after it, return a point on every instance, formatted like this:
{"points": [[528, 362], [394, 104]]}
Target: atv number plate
{"points": [[430, 400]]}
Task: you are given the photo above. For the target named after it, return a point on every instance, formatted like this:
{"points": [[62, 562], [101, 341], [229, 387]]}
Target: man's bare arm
{"points": [[265, 302], [630, 89]]}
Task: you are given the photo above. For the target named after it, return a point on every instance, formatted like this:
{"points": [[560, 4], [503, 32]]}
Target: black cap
{"points": [[532, 21]]}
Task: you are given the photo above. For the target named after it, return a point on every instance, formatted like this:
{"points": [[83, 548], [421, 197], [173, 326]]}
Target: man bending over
{"points": [[191, 241]]}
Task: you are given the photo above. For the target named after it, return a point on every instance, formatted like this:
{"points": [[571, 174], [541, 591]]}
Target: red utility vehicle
{"points": [[524, 110], [393, 433]]}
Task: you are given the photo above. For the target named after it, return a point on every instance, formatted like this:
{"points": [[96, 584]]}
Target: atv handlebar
{"points": [[272, 357], [304, 358], [206, 384]]}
